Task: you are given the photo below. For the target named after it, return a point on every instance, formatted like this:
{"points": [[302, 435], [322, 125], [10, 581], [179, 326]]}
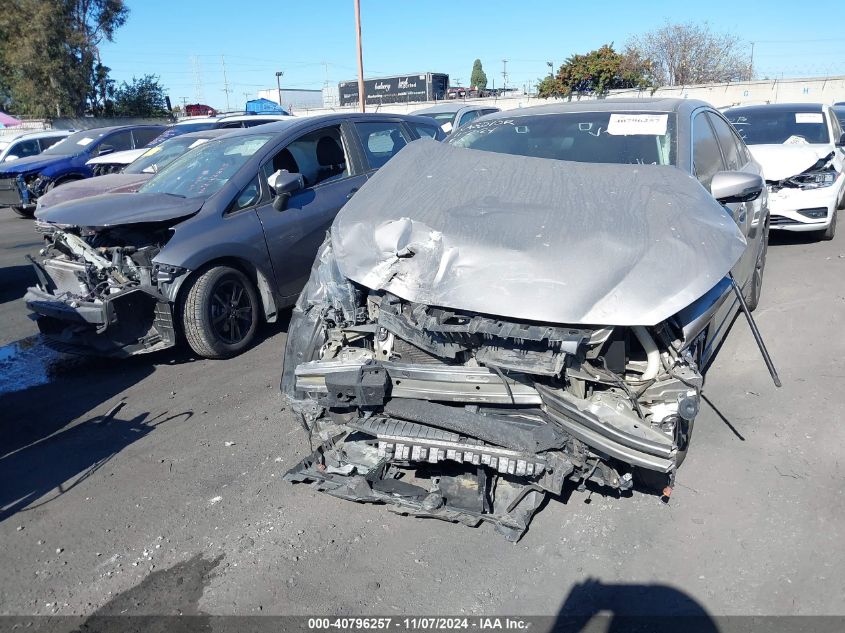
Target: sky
{"points": [[186, 44]]}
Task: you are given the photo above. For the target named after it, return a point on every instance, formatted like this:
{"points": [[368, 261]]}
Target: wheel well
{"points": [[259, 281]]}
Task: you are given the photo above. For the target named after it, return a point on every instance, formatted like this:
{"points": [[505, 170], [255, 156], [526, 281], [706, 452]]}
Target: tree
{"points": [[478, 79], [597, 72], [49, 55], [690, 53], [142, 97]]}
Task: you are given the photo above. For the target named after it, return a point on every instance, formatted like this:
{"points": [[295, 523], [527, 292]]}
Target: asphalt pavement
{"points": [[153, 485]]}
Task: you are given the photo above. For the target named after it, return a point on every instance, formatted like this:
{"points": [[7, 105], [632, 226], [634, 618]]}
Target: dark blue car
{"points": [[22, 181]]}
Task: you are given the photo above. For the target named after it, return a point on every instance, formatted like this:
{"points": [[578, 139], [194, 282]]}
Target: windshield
{"points": [[157, 158], [75, 143], [587, 137], [759, 126], [204, 171]]}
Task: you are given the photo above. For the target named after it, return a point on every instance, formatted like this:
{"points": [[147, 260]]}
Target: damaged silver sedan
{"points": [[481, 327]]}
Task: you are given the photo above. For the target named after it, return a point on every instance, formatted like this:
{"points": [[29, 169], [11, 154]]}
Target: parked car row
{"points": [[534, 299], [39, 162]]}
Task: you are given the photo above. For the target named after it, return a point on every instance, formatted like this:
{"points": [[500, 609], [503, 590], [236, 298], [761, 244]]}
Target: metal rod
{"points": [[757, 337], [361, 96]]}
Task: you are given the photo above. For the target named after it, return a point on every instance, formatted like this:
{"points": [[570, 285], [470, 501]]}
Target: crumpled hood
{"points": [[781, 161], [110, 183], [535, 239], [30, 163], [113, 209]]}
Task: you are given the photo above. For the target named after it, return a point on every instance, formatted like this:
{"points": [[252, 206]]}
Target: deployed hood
{"points": [[121, 208], [781, 161], [535, 239], [110, 183], [30, 163]]}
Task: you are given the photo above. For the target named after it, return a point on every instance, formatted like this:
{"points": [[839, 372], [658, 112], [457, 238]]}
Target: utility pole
{"points": [[225, 83], [551, 69], [279, 75], [504, 75], [361, 96], [751, 65]]}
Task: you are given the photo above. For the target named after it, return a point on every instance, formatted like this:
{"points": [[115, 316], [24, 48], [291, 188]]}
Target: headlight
{"points": [[814, 180]]}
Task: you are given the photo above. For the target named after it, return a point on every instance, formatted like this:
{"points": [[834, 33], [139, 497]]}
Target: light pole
{"points": [[279, 75], [361, 96], [551, 69]]}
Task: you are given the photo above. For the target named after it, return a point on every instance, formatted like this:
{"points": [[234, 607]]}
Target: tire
{"points": [[830, 231], [753, 299], [220, 313], [24, 212]]}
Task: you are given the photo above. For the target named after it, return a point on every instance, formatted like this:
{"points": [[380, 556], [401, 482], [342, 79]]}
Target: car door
{"points": [[707, 160], [746, 214], [322, 156]]}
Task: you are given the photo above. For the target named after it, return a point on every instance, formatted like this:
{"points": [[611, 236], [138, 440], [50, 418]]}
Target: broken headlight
{"points": [[813, 180]]}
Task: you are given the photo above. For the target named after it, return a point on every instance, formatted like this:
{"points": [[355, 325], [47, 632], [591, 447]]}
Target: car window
{"points": [[381, 141], [425, 130], [202, 171], [837, 129], [118, 142], [49, 141], [706, 158], [143, 136], [159, 156], [26, 148], [466, 117], [319, 156], [727, 141], [588, 137], [76, 142], [776, 125], [248, 197], [230, 125]]}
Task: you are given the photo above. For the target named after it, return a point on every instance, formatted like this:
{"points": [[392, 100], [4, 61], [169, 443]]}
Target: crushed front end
{"points": [[99, 290], [473, 418]]}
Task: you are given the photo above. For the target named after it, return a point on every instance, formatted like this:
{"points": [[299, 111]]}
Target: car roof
{"points": [[114, 128], [294, 122], [38, 134], [453, 107], [680, 106], [197, 119], [251, 117], [201, 134], [780, 107]]}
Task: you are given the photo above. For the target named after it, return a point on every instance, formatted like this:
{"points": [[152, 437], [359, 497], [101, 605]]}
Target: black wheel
{"points": [[756, 290], [220, 313], [830, 231], [24, 212]]}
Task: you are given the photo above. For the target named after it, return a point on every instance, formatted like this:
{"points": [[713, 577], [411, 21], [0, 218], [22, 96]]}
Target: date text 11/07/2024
{"points": [[419, 623]]}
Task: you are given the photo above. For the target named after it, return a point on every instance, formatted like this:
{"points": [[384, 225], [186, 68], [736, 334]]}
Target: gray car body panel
{"points": [[110, 183], [536, 239]]}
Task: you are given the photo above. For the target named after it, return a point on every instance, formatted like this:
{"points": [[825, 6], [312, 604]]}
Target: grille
{"points": [[779, 220]]}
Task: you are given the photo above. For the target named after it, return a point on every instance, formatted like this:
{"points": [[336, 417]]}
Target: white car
{"points": [[801, 149], [28, 143]]}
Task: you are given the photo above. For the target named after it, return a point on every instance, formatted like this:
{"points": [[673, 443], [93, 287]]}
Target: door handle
{"points": [[351, 193]]}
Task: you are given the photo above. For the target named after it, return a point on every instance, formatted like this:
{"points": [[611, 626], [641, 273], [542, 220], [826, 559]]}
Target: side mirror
{"points": [[841, 141], [105, 149], [736, 186], [10, 157], [284, 183]]}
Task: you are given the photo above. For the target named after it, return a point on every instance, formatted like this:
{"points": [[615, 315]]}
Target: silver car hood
{"points": [[535, 239]]}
